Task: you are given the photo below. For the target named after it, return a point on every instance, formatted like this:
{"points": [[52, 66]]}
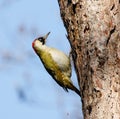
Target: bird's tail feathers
{"points": [[77, 91], [72, 87]]}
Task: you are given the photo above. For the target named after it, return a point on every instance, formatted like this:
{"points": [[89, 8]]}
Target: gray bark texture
{"points": [[93, 28]]}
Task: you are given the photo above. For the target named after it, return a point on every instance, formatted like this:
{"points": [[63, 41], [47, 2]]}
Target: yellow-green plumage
{"points": [[57, 64]]}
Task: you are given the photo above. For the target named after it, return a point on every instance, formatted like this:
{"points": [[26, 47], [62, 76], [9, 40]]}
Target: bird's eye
{"points": [[42, 40]]}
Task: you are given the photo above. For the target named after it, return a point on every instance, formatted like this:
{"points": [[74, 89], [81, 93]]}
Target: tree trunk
{"points": [[93, 28]]}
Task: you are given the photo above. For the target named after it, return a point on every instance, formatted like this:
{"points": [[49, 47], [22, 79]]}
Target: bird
{"points": [[56, 63]]}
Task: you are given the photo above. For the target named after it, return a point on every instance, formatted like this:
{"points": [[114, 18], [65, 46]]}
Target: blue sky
{"points": [[27, 91]]}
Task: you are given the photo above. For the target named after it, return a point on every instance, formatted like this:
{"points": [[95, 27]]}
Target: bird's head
{"points": [[39, 42]]}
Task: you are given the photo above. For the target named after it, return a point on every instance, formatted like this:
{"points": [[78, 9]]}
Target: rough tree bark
{"points": [[93, 28]]}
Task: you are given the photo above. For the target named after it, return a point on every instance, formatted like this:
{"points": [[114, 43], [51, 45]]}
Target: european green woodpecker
{"points": [[55, 62]]}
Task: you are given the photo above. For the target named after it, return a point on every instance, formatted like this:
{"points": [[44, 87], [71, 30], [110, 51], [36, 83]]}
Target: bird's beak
{"points": [[45, 37]]}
